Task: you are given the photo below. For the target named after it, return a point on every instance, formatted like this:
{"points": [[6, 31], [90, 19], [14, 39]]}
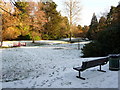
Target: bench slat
{"points": [[97, 62]]}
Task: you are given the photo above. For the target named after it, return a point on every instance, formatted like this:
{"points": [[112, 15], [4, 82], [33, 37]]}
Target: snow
{"points": [[51, 66]]}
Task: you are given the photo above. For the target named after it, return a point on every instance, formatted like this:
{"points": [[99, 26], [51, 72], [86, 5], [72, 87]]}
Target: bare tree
{"points": [[73, 9]]}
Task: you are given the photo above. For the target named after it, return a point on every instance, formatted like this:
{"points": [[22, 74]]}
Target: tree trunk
{"points": [[70, 20], [70, 36], [73, 9], [33, 41], [1, 43]]}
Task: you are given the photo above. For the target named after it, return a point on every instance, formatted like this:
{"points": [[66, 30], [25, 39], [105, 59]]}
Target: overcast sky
{"points": [[88, 8]]}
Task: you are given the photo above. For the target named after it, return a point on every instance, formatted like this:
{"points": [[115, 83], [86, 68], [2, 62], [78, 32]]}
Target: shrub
{"points": [[107, 42], [92, 49], [27, 37]]}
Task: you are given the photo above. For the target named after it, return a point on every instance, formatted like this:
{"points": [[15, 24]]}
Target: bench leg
{"points": [[80, 76], [101, 70]]}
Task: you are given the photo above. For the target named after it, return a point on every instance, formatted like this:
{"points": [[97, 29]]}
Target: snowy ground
{"points": [[51, 66]]}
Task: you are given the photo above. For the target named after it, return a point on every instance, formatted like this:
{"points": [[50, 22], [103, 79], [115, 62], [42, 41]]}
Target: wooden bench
{"points": [[89, 64]]}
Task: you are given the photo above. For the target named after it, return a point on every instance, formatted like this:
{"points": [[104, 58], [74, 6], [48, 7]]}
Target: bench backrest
{"points": [[93, 63]]}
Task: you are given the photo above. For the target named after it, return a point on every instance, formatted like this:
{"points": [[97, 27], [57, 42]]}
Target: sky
{"points": [[88, 8]]}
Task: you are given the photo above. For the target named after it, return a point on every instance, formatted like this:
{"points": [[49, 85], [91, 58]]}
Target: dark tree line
{"points": [[105, 35]]}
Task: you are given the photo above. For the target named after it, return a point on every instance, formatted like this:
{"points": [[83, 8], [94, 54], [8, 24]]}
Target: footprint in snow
{"points": [[53, 73], [15, 83], [102, 80], [108, 76], [37, 85], [49, 84], [21, 82], [66, 83], [93, 70], [86, 86], [33, 77], [59, 78], [53, 80], [34, 85], [44, 82], [64, 68], [37, 76], [50, 75], [57, 71], [53, 67], [85, 83], [30, 81]]}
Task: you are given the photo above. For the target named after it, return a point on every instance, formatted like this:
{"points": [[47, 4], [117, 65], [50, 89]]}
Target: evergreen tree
{"points": [[93, 27], [53, 28], [108, 40], [85, 30], [102, 23], [22, 14]]}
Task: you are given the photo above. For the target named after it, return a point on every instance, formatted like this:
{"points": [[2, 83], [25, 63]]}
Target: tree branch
{"points": [[5, 11]]}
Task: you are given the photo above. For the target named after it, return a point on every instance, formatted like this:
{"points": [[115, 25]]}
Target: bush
{"points": [[92, 49], [107, 42], [27, 37], [37, 38]]}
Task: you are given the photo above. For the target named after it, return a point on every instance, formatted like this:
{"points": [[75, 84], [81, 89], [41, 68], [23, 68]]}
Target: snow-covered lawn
{"points": [[51, 66]]}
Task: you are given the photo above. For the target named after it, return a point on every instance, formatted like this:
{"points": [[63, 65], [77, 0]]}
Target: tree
{"points": [[18, 11], [52, 17], [38, 19], [22, 13], [56, 25], [91, 34], [63, 28], [108, 39], [5, 7], [102, 23], [27, 19], [85, 30], [31, 19], [9, 30], [73, 10]]}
